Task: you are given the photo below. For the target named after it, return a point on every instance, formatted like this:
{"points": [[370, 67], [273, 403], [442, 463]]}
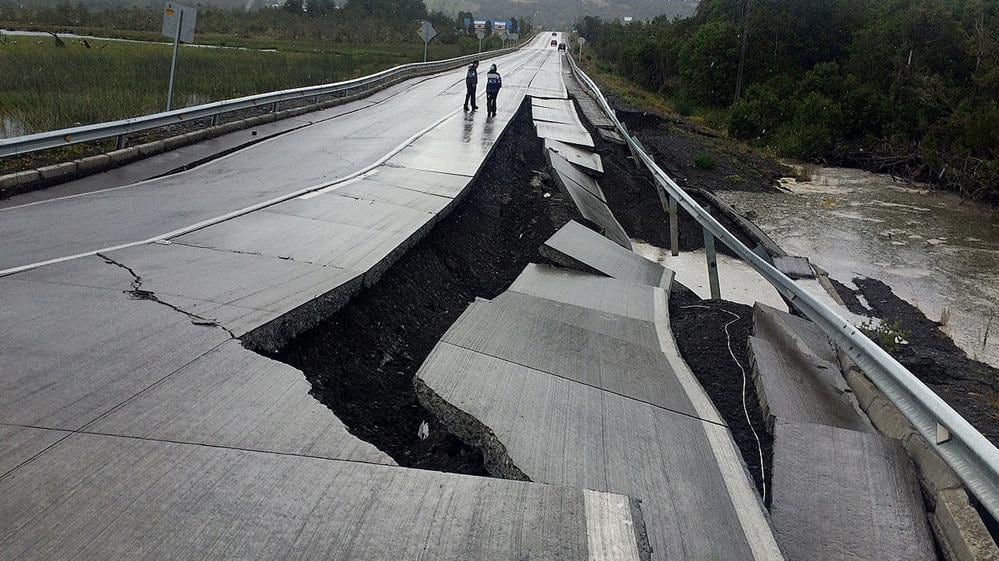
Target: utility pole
{"points": [[742, 51]]}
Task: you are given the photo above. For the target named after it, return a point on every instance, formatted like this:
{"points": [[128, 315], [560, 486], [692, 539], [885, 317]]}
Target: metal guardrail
{"points": [[972, 457], [120, 129]]}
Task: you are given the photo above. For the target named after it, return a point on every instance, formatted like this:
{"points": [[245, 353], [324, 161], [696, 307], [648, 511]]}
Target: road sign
{"points": [[427, 32], [178, 24], [480, 34], [513, 36], [177, 16]]}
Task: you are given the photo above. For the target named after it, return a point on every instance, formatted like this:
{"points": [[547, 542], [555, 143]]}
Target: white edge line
{"points": [[336, 186], [236, 213], [246, 210], [748, 508]]}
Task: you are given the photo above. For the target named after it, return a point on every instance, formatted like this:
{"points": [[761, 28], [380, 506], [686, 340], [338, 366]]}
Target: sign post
{"points": [[581, 42], [178, 24], [480, 34], [427, 32]]}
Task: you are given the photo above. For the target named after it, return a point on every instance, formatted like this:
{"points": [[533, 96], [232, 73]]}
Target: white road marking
{"points": [[745, 501], [336, 186], [246, 210]]}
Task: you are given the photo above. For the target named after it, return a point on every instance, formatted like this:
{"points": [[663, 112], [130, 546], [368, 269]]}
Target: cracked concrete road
{"points": [[313, 156]]}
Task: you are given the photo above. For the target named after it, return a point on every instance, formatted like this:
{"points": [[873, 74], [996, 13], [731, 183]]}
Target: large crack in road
{"points": [[361, 360]]}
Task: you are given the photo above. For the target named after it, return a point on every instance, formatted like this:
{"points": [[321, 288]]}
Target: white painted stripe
{"points": [[242, 211], [745, 501], [336, 186], [610, 530]]}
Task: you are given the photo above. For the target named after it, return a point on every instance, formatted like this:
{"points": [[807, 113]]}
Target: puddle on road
{"points": [[936, 251]]}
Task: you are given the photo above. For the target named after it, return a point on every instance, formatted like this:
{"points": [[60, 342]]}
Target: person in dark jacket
{"points": [[493, 84], [471, 81]]}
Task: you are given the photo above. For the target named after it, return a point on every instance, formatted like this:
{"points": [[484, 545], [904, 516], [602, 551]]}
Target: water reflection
{"points": [[936, 251]]}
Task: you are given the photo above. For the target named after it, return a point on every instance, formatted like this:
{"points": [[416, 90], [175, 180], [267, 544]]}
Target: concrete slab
{"points": [[56, 340], [301, 239], [585, 159], [794, 267], [590, 206], [611, 136], [555, 115], [577, 244], [799, 388], [842, 495], [235, 398], [241, 291], [438, 184], [557, 104], [360, 213], [102, 497], [581, 289], [569, 134], [563, 432], [568, 172], [777, 326], [634, 331], [587, 105], [19, 444], [569, 352]]}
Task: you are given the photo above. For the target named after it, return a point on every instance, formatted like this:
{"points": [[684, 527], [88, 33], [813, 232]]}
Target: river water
{"points": [[935, 251]]}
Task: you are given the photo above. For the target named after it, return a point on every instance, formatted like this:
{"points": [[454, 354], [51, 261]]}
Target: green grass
{"points": [[48, 87]]}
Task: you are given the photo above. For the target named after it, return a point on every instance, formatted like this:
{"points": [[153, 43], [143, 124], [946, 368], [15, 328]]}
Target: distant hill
{"points": [[553, 13]]}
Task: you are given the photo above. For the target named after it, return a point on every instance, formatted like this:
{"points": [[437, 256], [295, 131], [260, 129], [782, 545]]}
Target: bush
{"points": [[704, 161]]}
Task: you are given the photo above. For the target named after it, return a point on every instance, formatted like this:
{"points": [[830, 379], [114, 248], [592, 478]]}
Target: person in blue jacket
{"points": [[493, 85], [471, 81]]}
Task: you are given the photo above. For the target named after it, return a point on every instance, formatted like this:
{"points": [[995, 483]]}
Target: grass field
{"points": [[48, 87]]}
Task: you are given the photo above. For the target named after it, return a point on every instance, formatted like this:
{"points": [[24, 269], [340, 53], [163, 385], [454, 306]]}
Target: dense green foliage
{"points": [[907, 86]]}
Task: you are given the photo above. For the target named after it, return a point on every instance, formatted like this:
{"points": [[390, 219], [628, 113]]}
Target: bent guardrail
{"points": [[973, 458], [27, 144]]}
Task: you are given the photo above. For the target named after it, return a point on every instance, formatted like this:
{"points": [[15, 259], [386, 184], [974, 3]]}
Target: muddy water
{"points": [[935, 251]]}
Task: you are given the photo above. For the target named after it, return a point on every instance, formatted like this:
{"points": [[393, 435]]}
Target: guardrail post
{"points": [[120, 142], [274, 107], [712, 258], [674, 229], [215, 120]]}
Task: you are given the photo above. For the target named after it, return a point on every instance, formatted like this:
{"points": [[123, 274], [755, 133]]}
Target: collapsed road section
{"points": [[133, 424]]}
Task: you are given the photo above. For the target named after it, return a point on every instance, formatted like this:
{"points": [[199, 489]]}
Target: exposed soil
{"points": [[969, 386], [631, 195], [699, 328], [361, 361], [676, 145]]}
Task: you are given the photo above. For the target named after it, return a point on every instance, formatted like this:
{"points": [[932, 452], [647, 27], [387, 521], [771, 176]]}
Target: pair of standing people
{"points": [[493, 84]]}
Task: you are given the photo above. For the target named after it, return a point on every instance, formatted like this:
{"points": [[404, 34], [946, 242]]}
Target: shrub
{"points": [[704, 161]]}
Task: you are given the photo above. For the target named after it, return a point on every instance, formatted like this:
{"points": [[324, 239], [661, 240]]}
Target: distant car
{"points": [[561, 46], [554, 42], [554, 34]]}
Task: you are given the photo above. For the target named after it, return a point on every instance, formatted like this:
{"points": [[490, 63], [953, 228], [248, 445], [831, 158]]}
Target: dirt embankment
{"points": [[361, 360], [969, 386]]}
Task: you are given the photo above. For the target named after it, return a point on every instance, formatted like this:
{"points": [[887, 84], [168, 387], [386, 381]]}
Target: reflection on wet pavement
{"points": [[936, 251]]}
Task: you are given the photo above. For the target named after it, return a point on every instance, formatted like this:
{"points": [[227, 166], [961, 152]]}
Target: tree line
{"points": [[355, 21], [905, 86]]}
